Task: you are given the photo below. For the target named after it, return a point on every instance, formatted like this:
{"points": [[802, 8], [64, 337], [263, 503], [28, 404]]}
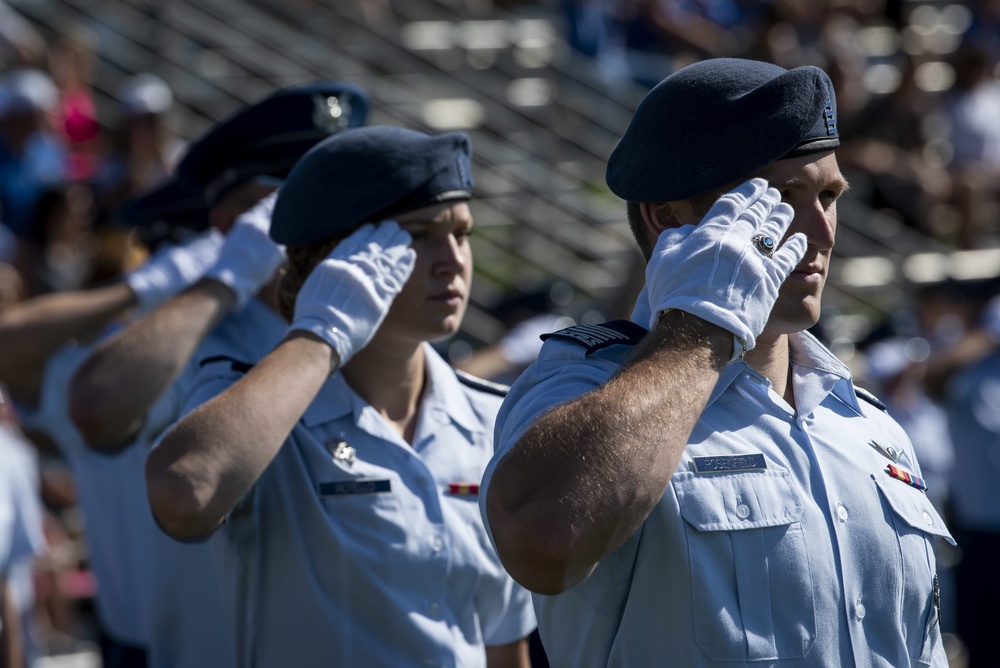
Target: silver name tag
{"points": [[723, 463]]}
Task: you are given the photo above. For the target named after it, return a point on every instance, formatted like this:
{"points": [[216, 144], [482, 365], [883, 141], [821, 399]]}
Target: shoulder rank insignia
{"points": [[595, 337], [476, 383], [236, 365], [869, 397]]}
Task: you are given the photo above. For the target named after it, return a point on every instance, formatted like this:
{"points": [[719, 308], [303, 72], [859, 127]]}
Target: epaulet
{"points": [[870, 398], [237, 365], [595, 337], [477, 383]]}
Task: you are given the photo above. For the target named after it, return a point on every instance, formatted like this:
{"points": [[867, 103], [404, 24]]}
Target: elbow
{"points": [[538, 554], [177, 507], [88, 409], [88, 418]]}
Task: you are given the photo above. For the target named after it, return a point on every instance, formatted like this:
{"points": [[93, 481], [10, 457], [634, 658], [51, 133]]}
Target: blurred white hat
{"points": [[890, 357], [145, 94], [27, 90]]}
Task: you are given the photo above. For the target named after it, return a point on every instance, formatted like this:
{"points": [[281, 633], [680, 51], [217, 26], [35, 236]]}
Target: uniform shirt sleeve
{"points": [[209, 378], [517, 620], [26, 537]]}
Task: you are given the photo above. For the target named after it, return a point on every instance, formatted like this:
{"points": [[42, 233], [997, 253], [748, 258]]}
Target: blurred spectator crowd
{"points": [[918, 87]]}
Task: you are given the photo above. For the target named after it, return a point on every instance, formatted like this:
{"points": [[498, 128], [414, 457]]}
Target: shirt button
{"points": [[743, 511], [928, 518], [842, 513], [433, 609], [437, 544], [859, 611]]}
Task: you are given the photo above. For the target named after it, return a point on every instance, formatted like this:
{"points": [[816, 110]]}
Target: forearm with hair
{"points": [[583, 478]]}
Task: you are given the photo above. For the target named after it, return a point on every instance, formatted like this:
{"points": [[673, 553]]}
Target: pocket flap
{"points": [[734, 501], [912, 506]]}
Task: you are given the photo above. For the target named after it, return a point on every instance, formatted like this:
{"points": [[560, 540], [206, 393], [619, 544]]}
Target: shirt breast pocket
{"points": [[916, 523], [752, 587], [362, 499]]}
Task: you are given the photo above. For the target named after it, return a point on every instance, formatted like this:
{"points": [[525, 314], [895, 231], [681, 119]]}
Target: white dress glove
{"points": [[249, 258], [172, 270], [723, 270], [346, 297]]}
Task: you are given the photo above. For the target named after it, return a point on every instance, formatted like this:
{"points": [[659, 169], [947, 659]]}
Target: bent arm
{"points": [[511, 655], [209, 460], [32, 330], [584, 476], [11, 646], [125, 375]]}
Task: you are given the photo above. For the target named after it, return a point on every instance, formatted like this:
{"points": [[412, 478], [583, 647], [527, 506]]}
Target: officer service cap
{"points": [[173, 211], [369, 174], [267, 138], [717, 121]]}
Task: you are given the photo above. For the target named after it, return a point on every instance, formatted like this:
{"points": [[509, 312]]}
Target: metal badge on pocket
{"points": [[342, 452]]}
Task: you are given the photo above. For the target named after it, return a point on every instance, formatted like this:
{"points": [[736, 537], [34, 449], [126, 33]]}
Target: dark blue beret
{"points": [[369, 174], [171, 212], [267, 138], [718, 121]]}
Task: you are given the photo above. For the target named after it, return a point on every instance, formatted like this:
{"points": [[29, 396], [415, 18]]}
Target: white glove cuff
{"points": [[335, 337], [231, 280], [148, 293]]}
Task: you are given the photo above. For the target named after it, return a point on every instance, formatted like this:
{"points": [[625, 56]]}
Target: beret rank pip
{"points": [[717, 121], [369, 174], [267, 138]]}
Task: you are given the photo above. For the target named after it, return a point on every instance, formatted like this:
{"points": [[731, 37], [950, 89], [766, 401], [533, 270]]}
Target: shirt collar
{"points": [[816, 373], [445, 398]]}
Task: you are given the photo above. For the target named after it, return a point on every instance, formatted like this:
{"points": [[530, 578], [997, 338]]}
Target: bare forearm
{"points": [[210, 459], [11, 647], [582, 479], [32, 330], [118, 384], [512, 655], [974, 346]]}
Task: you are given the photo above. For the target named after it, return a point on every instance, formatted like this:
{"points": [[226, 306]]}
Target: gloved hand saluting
{"points": [[172, 270], [249, 258], [728, 269], [346, 297]]}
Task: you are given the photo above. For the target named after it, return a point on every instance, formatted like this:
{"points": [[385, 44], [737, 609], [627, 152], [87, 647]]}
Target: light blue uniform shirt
{"points": [[112, 495], [190, 626], [21, 536], [974, 420], [800, 550], [365, 557]]}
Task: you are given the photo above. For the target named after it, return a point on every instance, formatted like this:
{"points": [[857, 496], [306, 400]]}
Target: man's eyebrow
{"points": [[798, 182]]}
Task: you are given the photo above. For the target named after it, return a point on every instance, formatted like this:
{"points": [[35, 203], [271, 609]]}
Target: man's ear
{"points": [[658, 216]]}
